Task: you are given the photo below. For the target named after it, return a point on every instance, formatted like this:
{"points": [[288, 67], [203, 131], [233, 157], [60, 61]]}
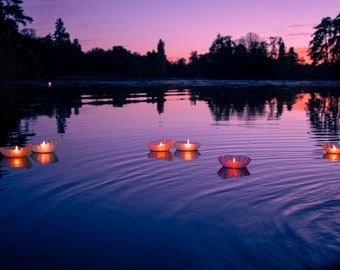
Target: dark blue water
{"points": [[106, 202]]}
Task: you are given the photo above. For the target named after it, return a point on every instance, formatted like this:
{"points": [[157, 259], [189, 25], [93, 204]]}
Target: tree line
{"points": [[24, 55]]}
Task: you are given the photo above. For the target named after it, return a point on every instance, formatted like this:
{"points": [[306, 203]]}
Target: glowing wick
{"points": [[334, 148], [16, 149], [188, 142], [234, 160]]}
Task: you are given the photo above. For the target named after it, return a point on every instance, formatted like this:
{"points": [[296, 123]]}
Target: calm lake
{"points": [[103, 200]]}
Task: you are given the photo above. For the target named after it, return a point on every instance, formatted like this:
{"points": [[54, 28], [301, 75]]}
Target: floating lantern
{"points": [[186, 145], [234, 162], [161, 145], [187, 155], [14, 162], [16, 152], [332, 148], [161, 155], [44, 158], [226, 173], [47, 146]]}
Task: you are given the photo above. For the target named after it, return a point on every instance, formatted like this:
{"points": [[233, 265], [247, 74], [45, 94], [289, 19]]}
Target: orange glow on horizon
{"points": [[303, 54]]}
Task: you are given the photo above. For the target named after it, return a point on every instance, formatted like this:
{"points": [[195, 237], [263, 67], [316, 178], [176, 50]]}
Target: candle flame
{"points": [[188, 142], [161, 144], [234, 160], [334, 147], [16, 148], [43, 143]]}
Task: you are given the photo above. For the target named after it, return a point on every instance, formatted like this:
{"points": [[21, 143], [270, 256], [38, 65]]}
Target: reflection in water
{"points": [[323, 110], [226, 173], [331, 157], [161, 155], [247, 101], [44, 158], [187, 155], [22, 162]]}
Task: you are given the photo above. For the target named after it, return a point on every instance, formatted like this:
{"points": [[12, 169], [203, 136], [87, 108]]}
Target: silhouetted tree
{"points": [[221, 57], [319, 46], [335, 40], [292, 57], [11, 16], [69, 55], [273, 46], [282, 50], [60, 36], [161, 58]]}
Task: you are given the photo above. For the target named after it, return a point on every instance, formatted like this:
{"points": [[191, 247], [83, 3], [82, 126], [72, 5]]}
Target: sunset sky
{"points": [[184, 25]]}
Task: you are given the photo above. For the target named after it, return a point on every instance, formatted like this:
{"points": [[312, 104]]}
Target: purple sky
{"points": [[184, 25]]}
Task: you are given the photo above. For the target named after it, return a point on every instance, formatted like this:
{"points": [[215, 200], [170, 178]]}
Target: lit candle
{"points": [[47, 146], [15, 152], [161, 145], [234, 162], [186, 145], [49, 84], [331, 148]]}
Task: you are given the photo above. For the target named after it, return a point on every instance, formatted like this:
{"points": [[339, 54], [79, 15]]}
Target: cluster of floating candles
{"points": [[186, 150], [166, 144], [43, 153]]}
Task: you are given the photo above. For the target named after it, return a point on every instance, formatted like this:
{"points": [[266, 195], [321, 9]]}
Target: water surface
{"points": [[104, 201]]}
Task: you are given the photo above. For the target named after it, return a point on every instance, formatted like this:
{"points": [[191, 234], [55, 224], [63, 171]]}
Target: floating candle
{"points": [[186, 145], [161, 145], [331, 148], [15, 152], [234, 161], [47, 146]]}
